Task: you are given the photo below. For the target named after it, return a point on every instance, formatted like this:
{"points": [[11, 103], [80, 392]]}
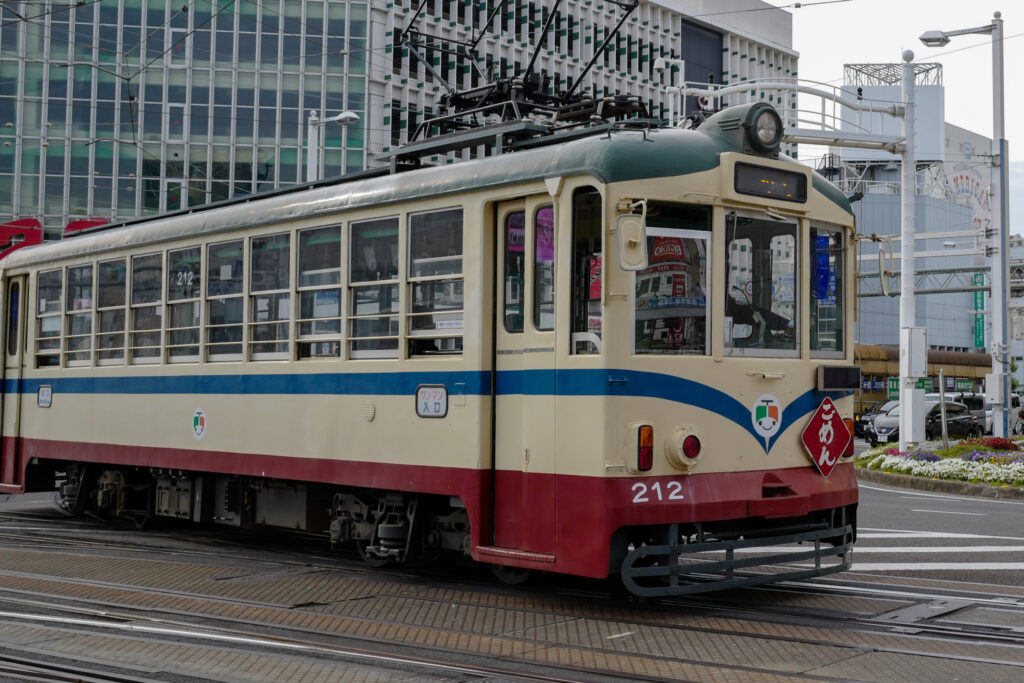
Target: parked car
{"points": [[862, 420], [974, 402], [960, 423]]}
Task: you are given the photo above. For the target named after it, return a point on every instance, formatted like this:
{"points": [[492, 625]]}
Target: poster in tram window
{"points": [[595, 277], [516, 234]]}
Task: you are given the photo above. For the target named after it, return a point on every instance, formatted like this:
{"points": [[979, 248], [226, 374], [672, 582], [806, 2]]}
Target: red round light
{"points": [[691, 447]]}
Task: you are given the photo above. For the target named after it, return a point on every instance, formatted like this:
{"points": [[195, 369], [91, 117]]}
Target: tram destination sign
{"points": [[826, 437]]}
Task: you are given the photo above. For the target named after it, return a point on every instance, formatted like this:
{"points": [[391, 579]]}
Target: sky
{"points": [[831, 33]]}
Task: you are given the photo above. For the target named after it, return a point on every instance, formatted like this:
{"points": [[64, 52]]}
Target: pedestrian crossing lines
{"points": [[906, 551]]}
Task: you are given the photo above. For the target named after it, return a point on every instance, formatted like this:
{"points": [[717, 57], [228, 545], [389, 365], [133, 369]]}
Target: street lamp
{"points": [[662, 63], [1000, 270], [315, 137]]}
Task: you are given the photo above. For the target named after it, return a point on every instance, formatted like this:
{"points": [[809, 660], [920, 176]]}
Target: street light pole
{"points": [[315, 139], [913, 349], [1000, 376]]}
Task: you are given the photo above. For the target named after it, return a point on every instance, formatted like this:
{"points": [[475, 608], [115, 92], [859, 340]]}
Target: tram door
{"points": [[10, 402], [524, 496]]}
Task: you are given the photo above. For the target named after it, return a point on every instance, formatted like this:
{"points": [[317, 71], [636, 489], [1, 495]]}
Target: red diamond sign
{"points": [[826, 437]]}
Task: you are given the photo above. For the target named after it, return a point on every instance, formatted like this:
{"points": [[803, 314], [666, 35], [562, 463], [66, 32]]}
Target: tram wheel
{"points": [[511, 576]]}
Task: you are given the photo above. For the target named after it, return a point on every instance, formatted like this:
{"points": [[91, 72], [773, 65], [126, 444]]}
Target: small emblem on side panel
{"points": [[199, 423]]}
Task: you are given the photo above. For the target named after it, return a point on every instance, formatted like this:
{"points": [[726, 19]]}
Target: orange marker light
{"points": [[645, 448], [848, 421]]}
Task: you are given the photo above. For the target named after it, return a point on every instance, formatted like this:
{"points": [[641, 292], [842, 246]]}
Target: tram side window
{"points": [[544, 269], [110, 311], [435, 282], [373, 294], [224, 304], [79, 299], [146, 309], [671, 295], [48, 318], [319, 284], [13, 309], [515, 239], [826, 289], [184, 277], [760, 302], [270, 301], [586, 272]]}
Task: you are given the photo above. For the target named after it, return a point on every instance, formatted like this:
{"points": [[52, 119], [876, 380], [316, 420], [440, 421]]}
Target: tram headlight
{"points": [[764, 128]]}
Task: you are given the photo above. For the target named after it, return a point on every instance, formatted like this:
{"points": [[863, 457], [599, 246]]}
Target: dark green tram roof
{"points": [[613, 156]]}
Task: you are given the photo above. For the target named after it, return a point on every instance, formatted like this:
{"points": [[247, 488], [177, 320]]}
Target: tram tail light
{"points": [[691, 447], [645, 448], [849, 425]]}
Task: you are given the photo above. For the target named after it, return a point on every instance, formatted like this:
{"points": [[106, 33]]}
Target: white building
{"points": [[952, 209]]}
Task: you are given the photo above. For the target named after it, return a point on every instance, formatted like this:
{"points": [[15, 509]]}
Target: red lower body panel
{"points": [[551, 522]]}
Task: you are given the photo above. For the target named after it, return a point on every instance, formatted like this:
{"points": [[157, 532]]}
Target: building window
{"points": [[224, 303], [110, 312], [269, 296], [435, 282], [78, 339], [184, 275], [319, 285], [48, 318], [373, 293], [146, 309]]}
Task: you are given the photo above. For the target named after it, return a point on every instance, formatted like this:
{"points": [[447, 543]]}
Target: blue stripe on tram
{"points": [[596, 382]]}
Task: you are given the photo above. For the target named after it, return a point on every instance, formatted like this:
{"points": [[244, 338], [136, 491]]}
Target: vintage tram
{"points": [[596, 354]]}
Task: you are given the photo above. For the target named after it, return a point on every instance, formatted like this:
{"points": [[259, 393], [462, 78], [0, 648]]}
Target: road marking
{"points": [[862, 550], [907, 494], [889, 533], [935, 566], [940, 549], [949, 512]]}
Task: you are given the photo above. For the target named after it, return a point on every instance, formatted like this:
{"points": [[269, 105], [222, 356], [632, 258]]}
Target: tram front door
{"points": [[524, 418], [10, 401]]}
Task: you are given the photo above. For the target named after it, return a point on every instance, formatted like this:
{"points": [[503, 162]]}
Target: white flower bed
{"points": [[951, 468]]}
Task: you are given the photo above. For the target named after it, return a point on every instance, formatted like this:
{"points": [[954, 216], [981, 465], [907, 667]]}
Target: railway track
{"points": [[176, 605]]}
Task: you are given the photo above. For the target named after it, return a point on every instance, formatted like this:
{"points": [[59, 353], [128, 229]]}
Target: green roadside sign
{"points": [[893, 392]]}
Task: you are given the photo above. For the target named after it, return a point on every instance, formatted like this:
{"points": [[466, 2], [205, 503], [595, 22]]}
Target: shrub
{"points": [[991, 443]]}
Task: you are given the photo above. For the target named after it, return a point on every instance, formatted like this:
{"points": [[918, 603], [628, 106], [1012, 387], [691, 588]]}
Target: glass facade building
{"points": [[120, 108]]}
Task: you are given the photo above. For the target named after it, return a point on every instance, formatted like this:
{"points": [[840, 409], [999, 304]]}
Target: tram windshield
{"points": [[761, 296], [671, 294]]}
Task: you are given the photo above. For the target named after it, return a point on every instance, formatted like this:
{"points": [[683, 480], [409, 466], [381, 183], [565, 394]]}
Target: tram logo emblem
{"points": [[199, 424], [826, 437], [766, 417]]}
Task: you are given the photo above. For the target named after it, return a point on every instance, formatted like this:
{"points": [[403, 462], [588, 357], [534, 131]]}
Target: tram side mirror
{"points": [[631, 230]]}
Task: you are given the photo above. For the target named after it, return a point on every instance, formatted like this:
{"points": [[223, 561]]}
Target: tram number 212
{"points": [[644, 493]]}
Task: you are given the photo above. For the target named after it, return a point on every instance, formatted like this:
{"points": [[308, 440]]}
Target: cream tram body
{"points": [[449, 358]]}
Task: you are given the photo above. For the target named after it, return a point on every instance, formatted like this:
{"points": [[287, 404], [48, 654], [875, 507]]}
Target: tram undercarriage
{"points": [[385, 527]]}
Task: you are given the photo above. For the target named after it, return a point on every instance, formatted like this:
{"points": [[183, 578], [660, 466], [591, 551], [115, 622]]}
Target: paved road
{"points": [[962, 538]]}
